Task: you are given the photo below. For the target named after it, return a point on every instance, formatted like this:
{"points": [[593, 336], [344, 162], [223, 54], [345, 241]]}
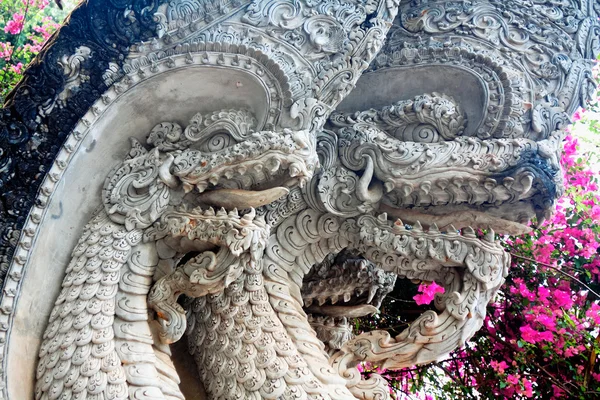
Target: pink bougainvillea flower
{"points": [[39, 4], [17, 69], [6, 50], [513, 379], [594, 313], [15, 25], [528, 388], [427, 293], [47, 28]]}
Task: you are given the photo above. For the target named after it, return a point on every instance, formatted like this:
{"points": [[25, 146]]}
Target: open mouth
{"points": [[346, 284], [248, 174]]}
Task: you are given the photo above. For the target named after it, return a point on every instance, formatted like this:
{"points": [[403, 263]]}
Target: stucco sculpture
{"points": [[251, 175]]}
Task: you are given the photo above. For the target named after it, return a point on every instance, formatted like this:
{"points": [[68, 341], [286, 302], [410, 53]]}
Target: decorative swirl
{"points": [[133, 193]]}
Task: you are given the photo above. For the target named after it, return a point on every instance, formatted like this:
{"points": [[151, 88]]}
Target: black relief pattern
{"points": [[31, 138]]}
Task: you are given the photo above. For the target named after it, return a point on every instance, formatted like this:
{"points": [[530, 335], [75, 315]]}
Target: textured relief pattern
{"points": [[78, 357], [260, 235], [55, 93]]}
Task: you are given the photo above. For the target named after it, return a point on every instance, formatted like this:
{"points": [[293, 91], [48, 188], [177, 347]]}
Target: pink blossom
{"points": [[15, 25], [499, 367], [513, 379], [47, 28], [562, 299], [533, 336], [39, 4], [17, 68], [594, 313], [528, 392], [6, 50], [427, 293]]}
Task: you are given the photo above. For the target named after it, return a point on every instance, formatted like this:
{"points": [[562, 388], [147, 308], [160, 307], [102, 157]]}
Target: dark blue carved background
{"points": [[30, 142]]}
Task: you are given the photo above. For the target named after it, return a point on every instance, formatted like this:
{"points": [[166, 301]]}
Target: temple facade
{"points": [[199, 196]]}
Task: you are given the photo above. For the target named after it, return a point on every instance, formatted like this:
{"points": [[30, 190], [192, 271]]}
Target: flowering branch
{"points": [[559, 271]]}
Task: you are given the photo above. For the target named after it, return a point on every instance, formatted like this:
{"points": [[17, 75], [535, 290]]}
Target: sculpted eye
{"points": [[216, 142], [421, 133]]}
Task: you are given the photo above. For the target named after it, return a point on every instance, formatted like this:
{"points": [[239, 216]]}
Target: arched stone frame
{"points": [[113, 112]]}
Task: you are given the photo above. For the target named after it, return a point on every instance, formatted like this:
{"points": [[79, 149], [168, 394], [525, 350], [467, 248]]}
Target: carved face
{"points": [[325, 34]]}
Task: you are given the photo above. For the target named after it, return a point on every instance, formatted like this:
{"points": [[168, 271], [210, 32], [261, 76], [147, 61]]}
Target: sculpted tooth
{"points": [[214, 179], [491, 182], [295, 170], [222, 212], [434, 228], [200, 187], [258, 167], [241, 170], [347, 297], [228, 174], [490, 236], [321, 300], [425, 187], [368, 189], [406, 190], [210, 212], [249, 217], [187, 187], [417, 227], [540, 217], [300, 137], [527, 182], [308, 302], [399, 226], [382, 217], [242, 199], [372, 293], [468, 232], [452, 230], [234, 213], [334, 299], [389, 186], [274, 165]]}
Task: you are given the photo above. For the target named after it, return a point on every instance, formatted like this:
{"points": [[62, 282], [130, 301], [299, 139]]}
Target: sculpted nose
{"points": [[368, 189]]}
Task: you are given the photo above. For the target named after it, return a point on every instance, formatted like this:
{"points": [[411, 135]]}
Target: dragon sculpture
{"points": [[259, 242]]}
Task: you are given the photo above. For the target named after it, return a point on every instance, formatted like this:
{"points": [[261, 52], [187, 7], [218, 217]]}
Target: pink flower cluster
{"points": [[539, 339], [39, 4], [15, 25], [427, 292], [6, 50], [30, 36]]}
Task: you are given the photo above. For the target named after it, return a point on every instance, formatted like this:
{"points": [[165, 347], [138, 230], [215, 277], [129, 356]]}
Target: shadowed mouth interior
{"points": [[346, 290], [346, 279]]}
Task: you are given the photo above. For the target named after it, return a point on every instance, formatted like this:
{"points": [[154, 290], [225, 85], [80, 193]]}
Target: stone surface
{"points": [[259, 106]]}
